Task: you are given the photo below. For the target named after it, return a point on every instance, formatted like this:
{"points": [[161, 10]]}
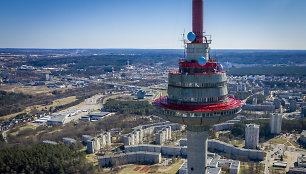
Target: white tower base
{"points": [[197, 149]]}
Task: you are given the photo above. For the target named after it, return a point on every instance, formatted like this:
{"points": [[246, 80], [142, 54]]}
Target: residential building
{"points": [[275, 123], [251, 136]]}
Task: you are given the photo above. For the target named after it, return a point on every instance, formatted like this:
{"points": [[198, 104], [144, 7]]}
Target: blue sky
{"points": [[150, 24]]}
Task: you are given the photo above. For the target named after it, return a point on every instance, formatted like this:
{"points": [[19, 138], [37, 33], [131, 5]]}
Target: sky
{"points": [[151, 24]]}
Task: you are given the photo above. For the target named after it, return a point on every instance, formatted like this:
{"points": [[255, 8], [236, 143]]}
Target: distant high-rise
{"points": [[251, 136], [303, 111], [267, 91], [141, 94], [244, 87], [292, 106], [275, 123], [235, 88], [277, 103]]}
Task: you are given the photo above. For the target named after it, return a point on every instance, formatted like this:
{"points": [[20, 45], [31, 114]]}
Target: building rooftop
{"points": [[69, 139], [303, 133], [99, 114], [49, 142], [301, 160], [210, 170], [58, 117], [279, 164], [253, 125]]}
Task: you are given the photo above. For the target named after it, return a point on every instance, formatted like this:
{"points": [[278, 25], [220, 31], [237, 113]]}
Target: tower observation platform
{"points": [[197, 94]]}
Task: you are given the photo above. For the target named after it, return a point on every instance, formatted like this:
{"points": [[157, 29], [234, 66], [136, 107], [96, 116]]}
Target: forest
{"points": [[269, 71], [261, 57], [13, 102], [260, 99], [241, 95], [43, 158]]}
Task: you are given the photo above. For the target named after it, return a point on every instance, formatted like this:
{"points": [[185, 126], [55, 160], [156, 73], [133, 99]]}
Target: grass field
{"points": [[283, 141], [28, 126], [55, 103], [277, 170], [251, 167], [277, 140], [164, 92], [173, 168], [110, 97], [239, 143], [31, 90], [243, 167]]}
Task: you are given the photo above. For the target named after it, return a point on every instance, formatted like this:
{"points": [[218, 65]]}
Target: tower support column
{"points": [[197, 149]]}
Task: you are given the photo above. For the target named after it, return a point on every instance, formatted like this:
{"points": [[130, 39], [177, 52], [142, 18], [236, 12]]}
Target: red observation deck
{"points": [[197, 96], [197, 115], [231, 103]]}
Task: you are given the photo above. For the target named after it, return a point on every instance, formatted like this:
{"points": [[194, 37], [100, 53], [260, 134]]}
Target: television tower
{"points": [[197, 94]]}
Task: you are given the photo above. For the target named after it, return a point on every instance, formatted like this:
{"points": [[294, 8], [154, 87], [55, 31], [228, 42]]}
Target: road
{"points": [[260, 92], [292, 154]]}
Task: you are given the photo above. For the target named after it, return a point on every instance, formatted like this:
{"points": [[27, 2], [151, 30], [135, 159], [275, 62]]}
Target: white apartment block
{"points": [[275, 123], [251, 136]]}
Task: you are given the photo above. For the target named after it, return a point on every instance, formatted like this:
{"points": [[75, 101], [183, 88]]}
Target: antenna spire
{"points": [[197, 20]]}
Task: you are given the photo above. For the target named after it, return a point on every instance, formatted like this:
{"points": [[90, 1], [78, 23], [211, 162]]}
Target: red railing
{"points": [[231, 103]]}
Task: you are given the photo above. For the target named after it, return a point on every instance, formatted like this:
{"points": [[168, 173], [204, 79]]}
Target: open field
{"points": [[285, 141], [55, 103], [28, 126], [171, 169], [154, 169], [277, 140], [31, 90], [164, 92], [239, 143], [290, 158], [243, 167], [110, 97], [277, 170], [251, 167]]}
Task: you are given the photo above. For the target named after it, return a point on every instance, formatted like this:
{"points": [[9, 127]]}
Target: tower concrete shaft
{"points": [[197, 149]]}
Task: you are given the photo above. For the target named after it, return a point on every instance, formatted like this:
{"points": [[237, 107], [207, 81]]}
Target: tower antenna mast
{"points": [[184, 42]]}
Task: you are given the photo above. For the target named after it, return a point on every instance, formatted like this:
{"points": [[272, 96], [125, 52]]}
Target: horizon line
{"points": [[157, 49]]}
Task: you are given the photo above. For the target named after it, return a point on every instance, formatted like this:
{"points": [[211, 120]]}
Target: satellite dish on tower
{"points": [[191, 36], [220, 67], [202, 61]]}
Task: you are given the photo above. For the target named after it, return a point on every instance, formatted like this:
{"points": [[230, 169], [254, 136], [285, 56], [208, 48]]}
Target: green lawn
{"points": [[277, 141], [277, 170], [251, 167], [239, 143], [164, 92], [172, 169], [243, 167]]}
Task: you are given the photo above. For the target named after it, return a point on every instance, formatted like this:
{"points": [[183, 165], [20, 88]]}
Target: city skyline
{"points": [[272, 24]]}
